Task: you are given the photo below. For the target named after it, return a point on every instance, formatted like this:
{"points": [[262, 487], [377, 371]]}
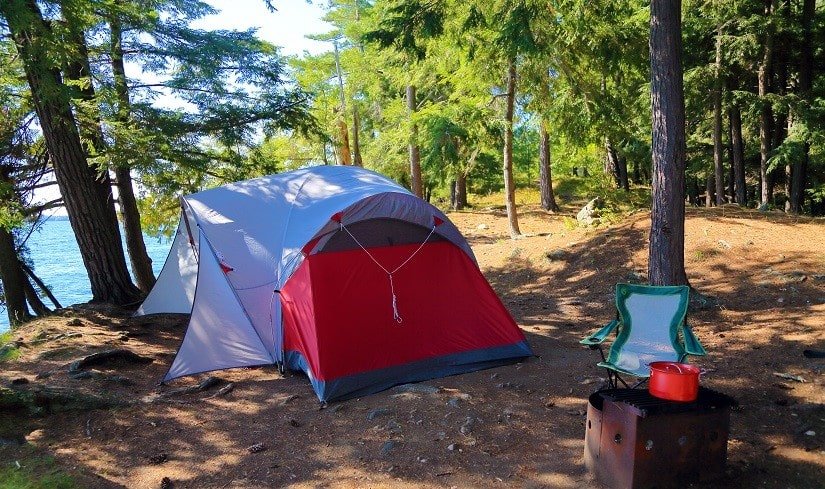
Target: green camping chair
{"points": [[651, 326]]}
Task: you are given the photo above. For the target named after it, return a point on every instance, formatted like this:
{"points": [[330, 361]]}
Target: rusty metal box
{"points": [[634, 440]]}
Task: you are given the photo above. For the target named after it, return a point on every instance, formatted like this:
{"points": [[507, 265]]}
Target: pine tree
{"points": [[87, 196]]}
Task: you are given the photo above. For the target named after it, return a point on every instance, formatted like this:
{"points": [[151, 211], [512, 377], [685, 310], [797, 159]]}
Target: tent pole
{"points": [[188, 229]]}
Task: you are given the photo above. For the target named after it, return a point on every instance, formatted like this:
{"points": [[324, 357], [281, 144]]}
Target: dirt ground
{"points": [[514, 426]]}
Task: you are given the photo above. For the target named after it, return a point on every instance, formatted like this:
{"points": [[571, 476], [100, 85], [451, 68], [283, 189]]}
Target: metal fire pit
{"points": [[635, 440]]}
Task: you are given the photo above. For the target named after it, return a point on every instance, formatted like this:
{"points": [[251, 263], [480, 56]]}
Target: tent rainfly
{"points": [[336, 271]]}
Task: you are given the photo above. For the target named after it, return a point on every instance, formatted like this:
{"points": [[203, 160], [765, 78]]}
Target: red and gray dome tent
{"points": [[333, 270]]}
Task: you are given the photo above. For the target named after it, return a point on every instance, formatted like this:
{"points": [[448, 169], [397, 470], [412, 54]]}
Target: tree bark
{"points": [[509, 181], [611, 162], [765, 114], [14, 280], [415, 156], [139, 257], [624, 184], [730, 191], [666, 263], [136, 247], [718, 170], [453, 197], [710, 189], [548, 198], [34, 278], [459, 191], [356, 141], [782, 115], [34, 300], [88, 201], [693, 191], [738, 155], [344, 157]]}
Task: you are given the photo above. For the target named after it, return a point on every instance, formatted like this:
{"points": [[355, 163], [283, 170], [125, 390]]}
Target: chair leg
{"points": [[621, 380], [611, 381], [611, 375]]}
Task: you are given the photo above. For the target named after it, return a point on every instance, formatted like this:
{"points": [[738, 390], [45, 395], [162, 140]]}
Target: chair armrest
{"points": [[692, 345], [599, 336]]}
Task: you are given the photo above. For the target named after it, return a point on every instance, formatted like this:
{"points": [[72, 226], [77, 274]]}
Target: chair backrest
{"points": [[651, 317]]}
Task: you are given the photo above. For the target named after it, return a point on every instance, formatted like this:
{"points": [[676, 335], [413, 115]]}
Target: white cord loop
{"points": [[395, 314]]}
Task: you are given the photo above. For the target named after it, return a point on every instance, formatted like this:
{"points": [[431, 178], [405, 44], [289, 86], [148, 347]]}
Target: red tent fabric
{"points": [[339, 319]]}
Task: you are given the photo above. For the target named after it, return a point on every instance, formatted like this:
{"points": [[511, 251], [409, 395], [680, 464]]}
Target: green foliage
{"points": [[241, 110], [569, 223], [8, 350], [34, 472], [403, 24]]}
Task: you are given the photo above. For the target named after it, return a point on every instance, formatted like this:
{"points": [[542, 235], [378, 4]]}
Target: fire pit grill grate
{"points": [[643, 404]]}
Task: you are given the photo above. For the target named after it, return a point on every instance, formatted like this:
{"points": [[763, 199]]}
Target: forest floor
{"points": [[514, 426]]}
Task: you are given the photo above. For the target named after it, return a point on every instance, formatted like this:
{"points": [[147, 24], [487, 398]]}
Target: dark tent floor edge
{"points": [[362, 384]]}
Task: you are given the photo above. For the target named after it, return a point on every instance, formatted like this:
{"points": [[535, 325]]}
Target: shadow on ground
{"points": [[519, 425]]}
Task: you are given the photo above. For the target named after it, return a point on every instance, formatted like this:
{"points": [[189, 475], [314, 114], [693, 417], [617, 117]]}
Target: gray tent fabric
{"points": [[209, 344], [174, 291]]}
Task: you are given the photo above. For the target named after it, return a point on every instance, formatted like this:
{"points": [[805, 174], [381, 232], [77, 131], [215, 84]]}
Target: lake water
{"points": [[57, 261]]}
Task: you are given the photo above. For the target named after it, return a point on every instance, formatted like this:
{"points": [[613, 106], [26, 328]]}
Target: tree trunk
{"points": [[765, 114], [718, 170], [34, 300], [710, 189], [731, 177], [509, 181], [78, 69], [344, 157], [738, 155], [356, 141], [624, 184], [34, 278], [415, 157], [781, 117], [548, 198], [460, 191], [693, 191], [800, 169], [666, 262], [324, 157], [788, 184], [453, 197], [139, 257], [14, 281], [88, 201], [611, 162]]}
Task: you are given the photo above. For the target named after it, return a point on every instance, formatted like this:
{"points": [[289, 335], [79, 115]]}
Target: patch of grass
{"points": [[524, 196], [33, 472], [704, 254], [8, 350], [570, 223]]}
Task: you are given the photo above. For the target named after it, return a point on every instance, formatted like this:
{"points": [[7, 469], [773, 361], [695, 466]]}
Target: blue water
{"points": [[57, 262]]}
